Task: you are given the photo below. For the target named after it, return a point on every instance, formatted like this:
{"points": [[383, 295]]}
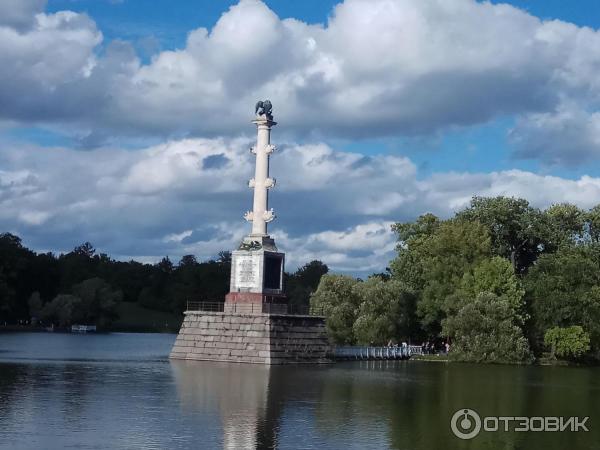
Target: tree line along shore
{"points": [[501, 281], [44, 290]]}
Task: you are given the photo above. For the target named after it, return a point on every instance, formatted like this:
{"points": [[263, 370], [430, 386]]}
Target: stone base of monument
{"points": [[248, 337], [254, 324]]}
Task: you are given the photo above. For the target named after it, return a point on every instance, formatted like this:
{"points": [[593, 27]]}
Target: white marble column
{"points": [[260, 214]]}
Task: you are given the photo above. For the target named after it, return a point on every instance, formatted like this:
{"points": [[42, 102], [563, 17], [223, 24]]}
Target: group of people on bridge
{"points": [[431, 348], [427, 348]]}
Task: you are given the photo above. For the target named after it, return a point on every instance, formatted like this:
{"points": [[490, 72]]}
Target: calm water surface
{"points": [[119, 391]]}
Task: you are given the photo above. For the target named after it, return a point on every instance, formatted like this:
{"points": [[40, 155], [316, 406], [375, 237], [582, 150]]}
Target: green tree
{"points": [[130, 278], [86, 249], [423, 227], [310, 274], [337, 300], [63, 310], [518, 231], [188, 261], [567, 224], [98, 302], [80, 264], [592, 218], [412, 238], [224, 257], [386, 312], [6, 298], [17, 281], [487, 330], [570, 343], [35, 304], [563, 290], [301, 284], [496, 276], [433, 260], [186, 284]]}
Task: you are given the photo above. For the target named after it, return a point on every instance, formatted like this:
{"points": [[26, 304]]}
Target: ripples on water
{"points": [[120, 391]]}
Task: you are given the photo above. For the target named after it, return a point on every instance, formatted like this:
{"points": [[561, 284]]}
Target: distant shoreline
{"points": [[30, 329]]}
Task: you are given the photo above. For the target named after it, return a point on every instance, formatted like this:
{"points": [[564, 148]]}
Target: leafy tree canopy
{"points": [[563, 289], [493, 275], [434, 260], [518, 231], [570, 343], [386, 312], [337, 299], [487, 330]]}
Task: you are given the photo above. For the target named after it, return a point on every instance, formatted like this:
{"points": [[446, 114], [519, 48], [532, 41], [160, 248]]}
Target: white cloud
{"points": [[178, 237], [46, 70], [568, 136], [34, 217], [364, 249], [179, 164], [20, 14], [332, 205], [377, 67], [454, 190]]}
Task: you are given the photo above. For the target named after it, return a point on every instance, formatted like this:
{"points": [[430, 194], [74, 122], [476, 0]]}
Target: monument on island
{"points": [[257, 266], [255, 323]]}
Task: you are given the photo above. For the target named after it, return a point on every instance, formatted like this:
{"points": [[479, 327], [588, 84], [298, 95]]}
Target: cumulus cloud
{"points": [[568, 136], [20, 14], [163, 200], [377, 67], [46, 71]]}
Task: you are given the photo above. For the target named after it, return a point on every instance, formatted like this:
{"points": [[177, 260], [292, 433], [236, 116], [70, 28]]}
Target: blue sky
{"points": [[111, 110], [170, 22]]}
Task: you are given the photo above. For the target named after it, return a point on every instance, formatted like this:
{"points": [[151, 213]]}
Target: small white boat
{"points": [[83, 328]]}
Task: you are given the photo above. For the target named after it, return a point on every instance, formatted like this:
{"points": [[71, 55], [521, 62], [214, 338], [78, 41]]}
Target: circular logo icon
{"points": [[465, 424]]}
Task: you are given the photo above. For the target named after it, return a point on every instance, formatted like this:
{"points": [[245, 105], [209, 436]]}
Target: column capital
{"points": [[263, 121]]}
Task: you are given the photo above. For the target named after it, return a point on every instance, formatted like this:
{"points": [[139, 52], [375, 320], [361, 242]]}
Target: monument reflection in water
{"points": [[382, 404], [241, 396]]}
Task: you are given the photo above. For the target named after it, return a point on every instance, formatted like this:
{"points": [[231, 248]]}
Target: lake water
{"points": [[119, 391]]}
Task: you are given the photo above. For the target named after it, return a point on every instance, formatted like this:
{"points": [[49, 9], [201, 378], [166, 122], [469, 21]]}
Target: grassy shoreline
{"points": [[430, 358]]}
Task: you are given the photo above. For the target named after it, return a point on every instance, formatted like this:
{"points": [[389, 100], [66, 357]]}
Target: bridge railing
{"points": [[415, 349], [250, 308], [367, 352]]}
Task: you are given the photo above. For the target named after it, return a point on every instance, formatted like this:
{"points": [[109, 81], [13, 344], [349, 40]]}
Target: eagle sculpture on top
{"points": [[264, 108]]}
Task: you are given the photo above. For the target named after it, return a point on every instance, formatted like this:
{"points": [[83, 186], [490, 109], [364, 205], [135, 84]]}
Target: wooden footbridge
{"points": [[374, 353]]}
